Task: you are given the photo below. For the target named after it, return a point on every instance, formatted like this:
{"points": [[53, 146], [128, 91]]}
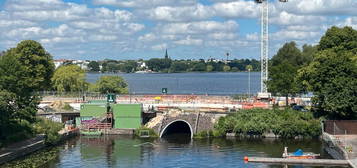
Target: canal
{"points": [[126, 151]]}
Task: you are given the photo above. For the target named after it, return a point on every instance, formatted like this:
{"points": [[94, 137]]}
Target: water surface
{"points": [[125, 151], [189, 83]]}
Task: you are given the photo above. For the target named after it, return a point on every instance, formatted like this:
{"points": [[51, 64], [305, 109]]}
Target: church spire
{"points": [[166, 55]]}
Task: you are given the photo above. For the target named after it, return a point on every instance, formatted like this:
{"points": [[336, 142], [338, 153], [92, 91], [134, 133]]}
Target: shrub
{"points": [[285, 123], [50, 129], [152, 133]]}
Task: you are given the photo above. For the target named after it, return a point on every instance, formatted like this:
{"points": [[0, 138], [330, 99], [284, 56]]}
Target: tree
{"points": [[94, 66], [178, 66], [23, 71], [332, 77], [282, 80], [34, 68], [70, 78], [290, 53], [332, 74], [209, 68], [111, 84], [283, 69], [226, 68]]}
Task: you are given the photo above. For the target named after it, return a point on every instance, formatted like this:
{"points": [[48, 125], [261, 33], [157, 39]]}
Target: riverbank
{"points": [[23, 148]]}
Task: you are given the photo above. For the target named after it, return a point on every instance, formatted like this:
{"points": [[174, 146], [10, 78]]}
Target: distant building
{"points": [[166, 55], [59, 62]]}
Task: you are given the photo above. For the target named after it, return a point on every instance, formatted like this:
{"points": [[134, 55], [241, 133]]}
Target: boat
{"points": [[299, 154], [91, 132]]}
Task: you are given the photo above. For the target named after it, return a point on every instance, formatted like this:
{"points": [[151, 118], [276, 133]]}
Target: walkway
{"points": [[22, 148]]}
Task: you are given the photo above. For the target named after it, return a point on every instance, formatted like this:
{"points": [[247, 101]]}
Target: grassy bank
{"points": [[283, 123]]}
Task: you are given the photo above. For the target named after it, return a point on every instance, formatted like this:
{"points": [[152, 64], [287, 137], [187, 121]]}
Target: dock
{"points": [[299, 161]]}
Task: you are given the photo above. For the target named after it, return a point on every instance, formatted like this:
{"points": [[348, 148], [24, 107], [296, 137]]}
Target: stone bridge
{"points": [[185, 122]]}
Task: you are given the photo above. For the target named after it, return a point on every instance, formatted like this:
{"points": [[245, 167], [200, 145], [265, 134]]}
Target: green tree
{"points": [[308, 51], [282, 80], [94, 66], [290, 53], [112, 84], [283, 69], [226, 68], [178, 66], [34, 68], [70, 78], [209, 68], [23, 71], [332, 74]]}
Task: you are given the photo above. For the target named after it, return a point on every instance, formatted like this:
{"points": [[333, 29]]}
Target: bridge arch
{"points": [[175, 123]]}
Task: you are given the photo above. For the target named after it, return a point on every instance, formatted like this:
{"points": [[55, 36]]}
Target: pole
{"points": [[249, 83]]}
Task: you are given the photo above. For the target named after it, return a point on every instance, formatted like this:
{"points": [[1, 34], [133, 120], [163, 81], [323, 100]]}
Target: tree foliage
{"points": [[23, 71], [283, 69], [94, 66], [111, 84], [70, 78], [283, 123], [332, 74]]}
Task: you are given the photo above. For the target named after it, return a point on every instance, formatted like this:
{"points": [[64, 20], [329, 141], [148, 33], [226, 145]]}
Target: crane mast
{"points": [[264, 46]]}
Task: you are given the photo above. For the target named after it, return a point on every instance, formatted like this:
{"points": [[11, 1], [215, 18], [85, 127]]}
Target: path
{"points": [[22, 148]]}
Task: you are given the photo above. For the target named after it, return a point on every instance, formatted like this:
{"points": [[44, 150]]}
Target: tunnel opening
{"points": [[177, 130]]}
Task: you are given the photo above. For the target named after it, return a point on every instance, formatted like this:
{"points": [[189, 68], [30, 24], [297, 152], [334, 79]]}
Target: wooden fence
{"points": [[341, 127]]}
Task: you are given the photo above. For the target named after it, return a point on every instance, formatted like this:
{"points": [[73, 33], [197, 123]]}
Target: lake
{"points": [[128, 152], [219, 83]]}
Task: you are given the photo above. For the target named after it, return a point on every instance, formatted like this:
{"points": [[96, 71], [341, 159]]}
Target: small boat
{"points": [[299, 154], [91, 132]]}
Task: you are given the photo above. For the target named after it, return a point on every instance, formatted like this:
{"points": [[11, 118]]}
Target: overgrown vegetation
{"points": [[151, 133], [37, 159], [209, 133], [284, 123], [50, 129]]}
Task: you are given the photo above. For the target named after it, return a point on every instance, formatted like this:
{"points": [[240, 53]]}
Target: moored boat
{"points": [[299, 154]]}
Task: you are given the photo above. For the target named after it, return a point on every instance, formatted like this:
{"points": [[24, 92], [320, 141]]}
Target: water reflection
{"points": [[175, 151]]}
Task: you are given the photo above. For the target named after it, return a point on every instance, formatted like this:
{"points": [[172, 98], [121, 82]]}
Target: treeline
{"points": [[168, 65]]}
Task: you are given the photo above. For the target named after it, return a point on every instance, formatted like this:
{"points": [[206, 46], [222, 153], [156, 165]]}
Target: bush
{"points": [[152, 133], [285, 123], [50, 129]]}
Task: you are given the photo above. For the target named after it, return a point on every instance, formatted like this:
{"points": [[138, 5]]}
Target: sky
{"points": [[188, 29]]}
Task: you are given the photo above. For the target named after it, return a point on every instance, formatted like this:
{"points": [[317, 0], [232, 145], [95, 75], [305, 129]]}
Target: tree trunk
{"points": [[286, 101]]}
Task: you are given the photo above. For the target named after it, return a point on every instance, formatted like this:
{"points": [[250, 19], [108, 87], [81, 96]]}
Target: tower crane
{"points": [[264, 42]]}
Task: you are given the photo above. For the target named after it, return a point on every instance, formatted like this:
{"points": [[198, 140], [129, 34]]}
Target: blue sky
{"points": [[189, 29]]}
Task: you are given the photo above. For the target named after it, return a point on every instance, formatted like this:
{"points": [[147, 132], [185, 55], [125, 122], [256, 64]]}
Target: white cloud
{"points": [[237, 9], [189, 41], [180, 13], [222, 36], [350, 21], [285, 18], [147, 37], [252, 36], [201, 27], [143, 3], [159, 47], [294, 35], [319, 7]]}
